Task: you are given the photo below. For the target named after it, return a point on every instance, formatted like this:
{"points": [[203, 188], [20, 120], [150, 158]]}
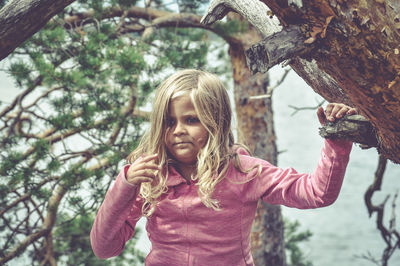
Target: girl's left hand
{"points": [[334, 111]]}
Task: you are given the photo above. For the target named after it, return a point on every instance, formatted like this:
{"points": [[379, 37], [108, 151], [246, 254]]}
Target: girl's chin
{"points": [[186, 160]]}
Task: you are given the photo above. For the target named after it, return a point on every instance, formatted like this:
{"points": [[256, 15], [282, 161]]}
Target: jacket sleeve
{"points": [[116, 219], [290, 188]]}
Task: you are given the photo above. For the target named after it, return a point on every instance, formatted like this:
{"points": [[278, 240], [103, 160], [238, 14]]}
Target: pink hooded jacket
{"points": [[185, 232]]}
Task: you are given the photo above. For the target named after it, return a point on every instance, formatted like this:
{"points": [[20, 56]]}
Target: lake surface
{"points": [[343, 231]]}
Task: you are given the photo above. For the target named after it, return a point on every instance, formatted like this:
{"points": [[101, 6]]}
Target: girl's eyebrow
{"points": [[190, 115]]}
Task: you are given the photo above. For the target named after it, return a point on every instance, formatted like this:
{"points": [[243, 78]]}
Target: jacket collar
{"points": [[174, 178]]}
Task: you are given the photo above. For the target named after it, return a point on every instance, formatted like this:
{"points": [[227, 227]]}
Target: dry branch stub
{"points": [[354, 128], [280, 46]]}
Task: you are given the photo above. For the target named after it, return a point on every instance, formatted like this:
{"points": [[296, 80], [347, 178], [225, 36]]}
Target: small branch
{"points": [[274, 49], [270, 90], [19, 98], [390, 235], [298, 109], [354, 128]]}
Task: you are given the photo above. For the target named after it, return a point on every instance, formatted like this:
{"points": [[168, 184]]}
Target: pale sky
{"points": [[7, 88]]}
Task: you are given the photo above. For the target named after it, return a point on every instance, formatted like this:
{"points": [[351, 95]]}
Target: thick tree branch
{"points": [[356, 60], [253, 10], [156, 19], [19, 20]]}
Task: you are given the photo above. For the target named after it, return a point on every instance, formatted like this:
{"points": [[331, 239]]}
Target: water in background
{"points": [[343, 231]]}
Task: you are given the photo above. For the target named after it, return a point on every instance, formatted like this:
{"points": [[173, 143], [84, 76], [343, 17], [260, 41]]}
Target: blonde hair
{"points": [[212, 105]]}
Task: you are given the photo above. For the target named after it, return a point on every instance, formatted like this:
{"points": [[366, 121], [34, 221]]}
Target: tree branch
{"points": [[157, 19], [274, 49], [390, 235], [19, 21], [253, 10], [297, 109], [354, 128]]}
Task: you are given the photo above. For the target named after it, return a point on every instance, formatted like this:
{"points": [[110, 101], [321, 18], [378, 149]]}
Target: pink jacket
{"points": [[185, 232]]}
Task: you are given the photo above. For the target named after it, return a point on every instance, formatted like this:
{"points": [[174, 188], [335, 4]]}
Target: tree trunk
{"points": [[360, 51], [255, 129], [20, 19], [353, 55]]}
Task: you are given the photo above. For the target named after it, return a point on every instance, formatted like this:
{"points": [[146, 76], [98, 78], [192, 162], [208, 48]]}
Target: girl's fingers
{"points": [[140, 166], [143, 170], [134, 172], [352, 111], [146, 173], [140, 179], [335, 110], [328, 109], [149, 158], [338, 110], [137, 177], [342, 112]]}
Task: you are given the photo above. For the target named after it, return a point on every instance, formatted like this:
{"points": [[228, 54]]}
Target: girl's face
{"points": [[185, 134]]}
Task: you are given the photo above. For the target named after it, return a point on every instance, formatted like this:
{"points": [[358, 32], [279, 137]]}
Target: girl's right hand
{"points": [[143, 170]]}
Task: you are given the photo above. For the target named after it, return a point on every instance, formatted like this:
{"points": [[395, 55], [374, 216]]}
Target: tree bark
{"points": [[256, 130], [355, 57], [354, 128], [20, 19], [360, 51]]}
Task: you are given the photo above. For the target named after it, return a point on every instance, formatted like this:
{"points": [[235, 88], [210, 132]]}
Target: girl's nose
{"points": [[179, 129]]}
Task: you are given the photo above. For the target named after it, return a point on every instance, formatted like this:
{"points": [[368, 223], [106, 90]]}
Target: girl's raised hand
{"points": [[143, 170], [334, 111]]}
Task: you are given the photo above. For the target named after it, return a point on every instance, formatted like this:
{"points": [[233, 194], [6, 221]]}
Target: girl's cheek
{"points": [[202, 141]]}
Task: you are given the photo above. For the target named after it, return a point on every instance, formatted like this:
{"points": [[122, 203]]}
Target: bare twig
{"points": [[271, 89], [297, 109], [389, 234]]}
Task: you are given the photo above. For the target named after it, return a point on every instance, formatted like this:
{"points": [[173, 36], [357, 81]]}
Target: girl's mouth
{"points": [[182, 142]]}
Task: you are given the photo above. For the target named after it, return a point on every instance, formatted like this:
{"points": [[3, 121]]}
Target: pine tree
{"points": [[64, 138]]}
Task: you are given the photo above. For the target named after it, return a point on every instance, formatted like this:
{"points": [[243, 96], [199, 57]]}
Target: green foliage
{"points": [[72, 243], [292, 240], [183, 48], [73, 127], [231, 27], [21, 73], [193, 6], [41, 147], [10, 162]]}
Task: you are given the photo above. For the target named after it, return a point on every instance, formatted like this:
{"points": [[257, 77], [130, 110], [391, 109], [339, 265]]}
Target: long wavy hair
{"points": [[212, 105]]}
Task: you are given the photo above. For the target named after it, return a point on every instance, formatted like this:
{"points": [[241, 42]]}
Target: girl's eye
{"points": [[193, 120], [170, 122]]}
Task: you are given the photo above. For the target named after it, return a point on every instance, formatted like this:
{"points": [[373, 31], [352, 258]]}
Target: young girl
{"points": [[197, 188]]}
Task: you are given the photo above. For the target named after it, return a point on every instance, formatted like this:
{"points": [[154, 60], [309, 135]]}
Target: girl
{"points": [[198, 190]]}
